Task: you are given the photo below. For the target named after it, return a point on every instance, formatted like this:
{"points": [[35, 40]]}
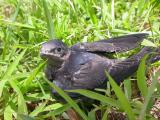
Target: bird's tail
{"points": [[127, 67], [154, 54]]}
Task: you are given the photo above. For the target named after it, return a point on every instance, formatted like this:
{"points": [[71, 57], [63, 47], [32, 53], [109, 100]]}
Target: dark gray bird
{"points": [[82, 66]]}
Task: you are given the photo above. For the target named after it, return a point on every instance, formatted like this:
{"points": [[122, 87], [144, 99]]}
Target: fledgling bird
{"points": [[83, 65]]}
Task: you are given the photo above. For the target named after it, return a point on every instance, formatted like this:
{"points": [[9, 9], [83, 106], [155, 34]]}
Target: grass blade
{"points": [[17, 24], [112, 13], [148, 43], [91, 13], [8, 113], [58, 111], [69, 100], [141, 77], [13, 66], [22, 108], [128, 89], [96, 96], [123, 100], [50, 24], [10, 70], [38, 109], [26, 117], [149, 95], [28, 81]]}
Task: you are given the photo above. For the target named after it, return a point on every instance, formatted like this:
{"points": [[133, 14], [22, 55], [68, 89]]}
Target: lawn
{"points": [[24, 25]]}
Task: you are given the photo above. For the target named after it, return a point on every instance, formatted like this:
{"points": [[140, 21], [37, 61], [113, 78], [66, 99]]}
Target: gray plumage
{"points": [[82, 66], [117, 44]]}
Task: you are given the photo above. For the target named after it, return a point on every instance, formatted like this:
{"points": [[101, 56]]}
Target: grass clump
{"points": [[25, 25]]}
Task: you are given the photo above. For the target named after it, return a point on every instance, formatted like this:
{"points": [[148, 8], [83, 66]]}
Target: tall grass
{"points": [[24, 25]]}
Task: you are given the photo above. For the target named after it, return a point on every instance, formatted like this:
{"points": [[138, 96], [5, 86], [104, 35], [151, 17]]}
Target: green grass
{"points": [[25, 25]]}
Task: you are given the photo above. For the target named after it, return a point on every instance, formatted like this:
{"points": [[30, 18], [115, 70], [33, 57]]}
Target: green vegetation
{"points": [[26, 24]]}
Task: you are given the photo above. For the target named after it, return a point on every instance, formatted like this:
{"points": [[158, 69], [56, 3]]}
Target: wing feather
{"points": [[117, 44]]}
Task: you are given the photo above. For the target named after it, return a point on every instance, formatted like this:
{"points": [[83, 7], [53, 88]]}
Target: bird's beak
{"points": [[43, 54]]}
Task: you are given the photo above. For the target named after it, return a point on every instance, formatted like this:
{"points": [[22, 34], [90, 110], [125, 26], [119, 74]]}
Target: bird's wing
{"points": [[118, 44], [90, 75], [124, 69]]}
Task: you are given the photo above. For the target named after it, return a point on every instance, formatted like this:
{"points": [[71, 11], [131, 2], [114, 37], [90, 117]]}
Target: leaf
{"points": [[38, 109], [32, 76], [50, 24], [141, 77], [10, 70], [127, 89], [105, 115], [148, 43], [148, 97], [92, 115], [8, 113], [68, 99], [121, 97], [96, 96], [53, 107], [58, 111], [13, 65], [25, 117], [38, 96], [17, 24], [22, 108]]}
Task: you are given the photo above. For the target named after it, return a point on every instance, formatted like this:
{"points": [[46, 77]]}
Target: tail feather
{"points": [[123, 69], [155, 56]]}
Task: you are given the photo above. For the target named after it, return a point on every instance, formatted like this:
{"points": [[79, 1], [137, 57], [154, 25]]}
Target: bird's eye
{"points": [[56, 50], [59, 49]]}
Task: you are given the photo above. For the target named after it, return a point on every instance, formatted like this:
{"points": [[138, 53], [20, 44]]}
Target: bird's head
{"points": [[54, 50]]}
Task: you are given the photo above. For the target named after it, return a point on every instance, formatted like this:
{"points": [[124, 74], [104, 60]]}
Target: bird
{"points": [[83, 65]]}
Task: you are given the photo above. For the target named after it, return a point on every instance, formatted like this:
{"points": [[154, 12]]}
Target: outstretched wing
{"points": [[118, 44]]}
